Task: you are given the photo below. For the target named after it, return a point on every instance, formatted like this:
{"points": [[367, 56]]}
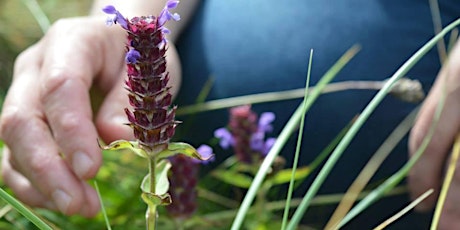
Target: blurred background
{"points": [[19, 28]]}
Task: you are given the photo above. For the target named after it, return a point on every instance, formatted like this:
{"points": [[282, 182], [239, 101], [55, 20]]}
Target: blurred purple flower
{"points": [[246, 133], [226, 139], [257, 141], [268, 145], [206, 153], [183, 178], [265, 122]]}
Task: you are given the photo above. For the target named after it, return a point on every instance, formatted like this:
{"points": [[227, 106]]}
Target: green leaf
{"points": [[161, 178], [233, 178], [154, 199], [284, 176], [24, 210], [181, 148], [122, 144]]}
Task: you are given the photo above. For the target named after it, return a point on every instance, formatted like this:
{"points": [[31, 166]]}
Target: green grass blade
{"points": [[37, 221], [38, 14], [360, 121], [297, 150], [371, 167], [290, 127], [394, 180], [104, 213]]}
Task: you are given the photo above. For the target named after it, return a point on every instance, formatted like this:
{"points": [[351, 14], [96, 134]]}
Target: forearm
{"points": [[133, 8]]}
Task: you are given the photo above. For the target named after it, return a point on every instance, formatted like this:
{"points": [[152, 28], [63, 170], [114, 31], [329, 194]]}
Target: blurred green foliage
{"points": [[19, 29]]}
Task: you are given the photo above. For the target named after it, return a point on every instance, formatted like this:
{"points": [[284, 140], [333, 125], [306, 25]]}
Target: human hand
{"points": [[428, 172], [47, 122]]}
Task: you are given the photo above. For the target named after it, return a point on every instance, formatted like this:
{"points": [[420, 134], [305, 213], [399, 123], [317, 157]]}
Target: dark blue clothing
{"points": [[263, 46]]}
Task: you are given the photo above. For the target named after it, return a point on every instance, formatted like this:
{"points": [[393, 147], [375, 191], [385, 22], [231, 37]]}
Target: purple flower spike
{"points": [[152, 117], [206, 153], [265, 121], [132, 55], [225, 137], [116, 17]]}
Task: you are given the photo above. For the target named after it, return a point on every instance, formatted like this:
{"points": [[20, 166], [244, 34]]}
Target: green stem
{"points": [[151, 215]]}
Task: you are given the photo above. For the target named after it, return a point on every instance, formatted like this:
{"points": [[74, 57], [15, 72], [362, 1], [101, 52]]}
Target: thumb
{"points": [[111, 119], [428, 171]]}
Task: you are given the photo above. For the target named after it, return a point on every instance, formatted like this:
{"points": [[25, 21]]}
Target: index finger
{"points": [[68, 70]]}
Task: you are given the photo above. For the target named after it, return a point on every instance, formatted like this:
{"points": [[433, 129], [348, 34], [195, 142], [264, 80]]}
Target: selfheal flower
{"points": [[152, 118], [183, 179], [182, 188], [246, 133]]}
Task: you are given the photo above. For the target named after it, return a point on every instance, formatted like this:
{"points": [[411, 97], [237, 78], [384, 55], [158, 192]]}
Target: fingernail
{"points": [[119, 120], [81, 164], [62, 200]]}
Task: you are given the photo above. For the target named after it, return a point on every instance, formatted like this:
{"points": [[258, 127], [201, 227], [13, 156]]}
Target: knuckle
{"points": [[61, 24], [40, 164], [55, 79], [11, 118], [23, 59], [69, 122]]}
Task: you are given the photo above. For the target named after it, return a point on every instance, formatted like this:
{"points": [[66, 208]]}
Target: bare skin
{"points": [[428, 171]]}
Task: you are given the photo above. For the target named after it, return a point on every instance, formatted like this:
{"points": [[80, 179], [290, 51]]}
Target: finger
{"points": [[21, 186], [33, 150], [427, 172], [91, 205], [111, 119], [451, 210], [67, 75]]}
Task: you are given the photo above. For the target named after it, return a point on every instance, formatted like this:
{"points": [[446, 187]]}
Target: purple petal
{"points": [[265, 121], [206, 153], [110, 20], [165, 30], [132, 55], [257, 141], [172, 4], [226, 138], [116, 17], [166, 15], [163, 18], [268, 145], [175, 16], [121, 20], [109, 9]]}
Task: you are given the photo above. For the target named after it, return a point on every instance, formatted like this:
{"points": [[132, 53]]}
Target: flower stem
{"points": [[151, 215]]}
